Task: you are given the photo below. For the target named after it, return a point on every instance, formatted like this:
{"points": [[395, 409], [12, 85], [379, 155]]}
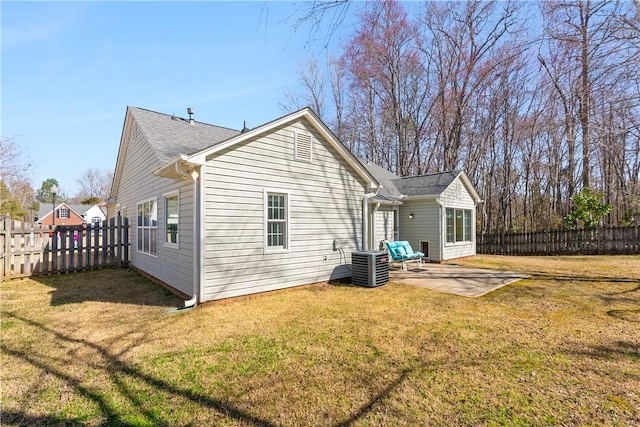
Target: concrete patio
{"points": [[453, 279]]}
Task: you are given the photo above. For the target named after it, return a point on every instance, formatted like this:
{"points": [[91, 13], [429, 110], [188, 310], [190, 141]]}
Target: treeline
{"points": [[535, 101]]}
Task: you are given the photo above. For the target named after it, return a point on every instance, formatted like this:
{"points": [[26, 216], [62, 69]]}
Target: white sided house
{"points": [[217, 213], [435, 213]]}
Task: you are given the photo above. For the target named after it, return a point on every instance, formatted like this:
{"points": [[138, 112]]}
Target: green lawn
{"points": [[100, 348]]}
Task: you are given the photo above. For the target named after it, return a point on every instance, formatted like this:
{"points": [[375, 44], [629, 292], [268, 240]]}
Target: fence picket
{"points": [[600, 241], [33, 249]]}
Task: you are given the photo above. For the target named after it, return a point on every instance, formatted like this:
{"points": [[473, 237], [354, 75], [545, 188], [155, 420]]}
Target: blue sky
{"points": [[70, 69]]}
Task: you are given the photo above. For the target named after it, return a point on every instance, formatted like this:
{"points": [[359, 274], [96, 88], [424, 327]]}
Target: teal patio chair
{"points": [[401, 251]]}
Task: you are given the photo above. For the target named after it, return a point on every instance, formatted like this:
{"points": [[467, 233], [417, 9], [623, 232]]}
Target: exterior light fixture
{"points": [[411, 215]]}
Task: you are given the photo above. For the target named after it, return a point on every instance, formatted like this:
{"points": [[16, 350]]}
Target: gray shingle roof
{"points": [[426, 185], [422, 185], [170, 136], [389, 191]]}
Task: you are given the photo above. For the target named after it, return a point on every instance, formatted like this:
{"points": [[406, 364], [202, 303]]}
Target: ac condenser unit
{"points": [[369, 268]]}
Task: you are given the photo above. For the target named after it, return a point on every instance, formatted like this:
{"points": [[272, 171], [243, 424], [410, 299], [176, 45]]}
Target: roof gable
{"points": [[433, 185], [167, 136], [428, 185], [45, 209], [199, 158]]}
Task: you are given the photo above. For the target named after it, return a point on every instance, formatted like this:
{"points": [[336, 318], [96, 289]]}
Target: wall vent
{"points": [[303, 147]]}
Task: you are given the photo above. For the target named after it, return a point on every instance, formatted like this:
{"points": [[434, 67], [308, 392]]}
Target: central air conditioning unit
{"points": [[369, 268]]}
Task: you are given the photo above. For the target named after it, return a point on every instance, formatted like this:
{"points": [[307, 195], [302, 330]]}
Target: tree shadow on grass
{"points": [[615, 350], [627, 315], [370, 405], [581, 278], [17, 418], [127, 378], [122, 285], [121, 374]]}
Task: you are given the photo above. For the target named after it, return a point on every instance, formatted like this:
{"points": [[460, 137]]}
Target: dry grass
{"points": [[98, 348]]}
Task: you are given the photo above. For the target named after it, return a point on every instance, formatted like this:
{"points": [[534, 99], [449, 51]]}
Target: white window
{"points": [[303, 146], [276, 230], [147, 227], [171, 219], [458, 225], [63, 213]]}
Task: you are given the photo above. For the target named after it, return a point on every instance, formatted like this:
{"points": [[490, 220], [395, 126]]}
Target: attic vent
{"points": [[303, 147]]}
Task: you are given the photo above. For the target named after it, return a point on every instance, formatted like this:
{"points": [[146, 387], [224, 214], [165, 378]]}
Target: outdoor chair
{"points": [[401, 251]]}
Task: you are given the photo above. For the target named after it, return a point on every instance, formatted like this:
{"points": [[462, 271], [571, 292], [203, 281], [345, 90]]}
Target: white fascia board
{"points": [[421, 197], [169, 168], [122, 149], [373, 201], [200, 157], [463, 176]]}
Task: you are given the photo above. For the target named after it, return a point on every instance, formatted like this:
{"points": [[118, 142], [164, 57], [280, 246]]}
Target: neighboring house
{"points": [[70, 214], [435, 213], [217, 213]]}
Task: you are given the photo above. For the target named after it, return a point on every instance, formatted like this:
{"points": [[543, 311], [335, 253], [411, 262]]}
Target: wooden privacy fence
{"points": [[599, 241], [33, 249]]}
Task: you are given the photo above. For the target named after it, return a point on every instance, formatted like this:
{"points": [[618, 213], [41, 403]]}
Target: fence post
{"points": [[118, 248], [7, 246], [126, 240], [112, 238]]}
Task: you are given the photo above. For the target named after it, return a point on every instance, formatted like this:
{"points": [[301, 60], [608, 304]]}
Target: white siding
{"points": [[450, 199], [383, 225], [325, 201], [137, 183], [424, 226]]}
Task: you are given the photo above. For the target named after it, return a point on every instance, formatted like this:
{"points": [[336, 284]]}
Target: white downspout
{"points": [[193, 174], [365, 220], [442, 229], [373, 225]]}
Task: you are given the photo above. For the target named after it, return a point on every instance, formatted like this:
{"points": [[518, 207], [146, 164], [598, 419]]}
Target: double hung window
{"points": [[276, 221], [458, 225], [172, 219], [147, 227]]}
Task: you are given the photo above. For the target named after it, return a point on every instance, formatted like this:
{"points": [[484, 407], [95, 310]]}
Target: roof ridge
{"points": [[173, 116], [455, 171]]}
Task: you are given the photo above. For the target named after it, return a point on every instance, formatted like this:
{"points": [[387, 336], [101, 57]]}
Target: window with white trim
{"points": [[147, 227], [303, 146], [63, 213], [276, 233], [171, 219], [458, 225]]}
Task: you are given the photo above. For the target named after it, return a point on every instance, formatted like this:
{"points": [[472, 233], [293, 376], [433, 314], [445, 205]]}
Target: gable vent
{"points": [[303, 147]]}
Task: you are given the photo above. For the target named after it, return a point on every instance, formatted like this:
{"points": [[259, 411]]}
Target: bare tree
{"points": [[313, 83], [94, 183], [14, 164], [530, 116]]}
